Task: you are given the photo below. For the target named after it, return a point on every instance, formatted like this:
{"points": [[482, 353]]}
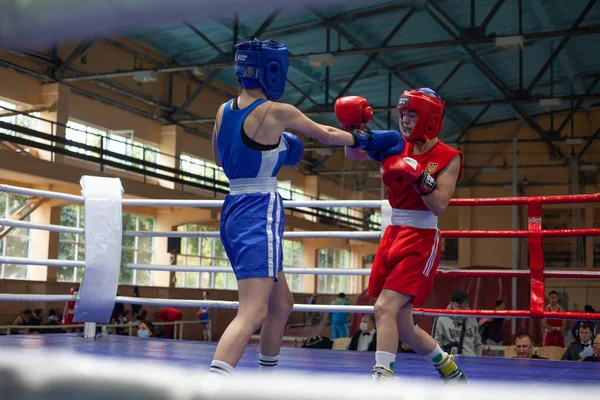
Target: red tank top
{"points": [[434, 160]]}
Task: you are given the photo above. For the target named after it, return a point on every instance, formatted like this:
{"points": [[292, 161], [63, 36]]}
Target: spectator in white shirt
{"points": [[366, 338]]}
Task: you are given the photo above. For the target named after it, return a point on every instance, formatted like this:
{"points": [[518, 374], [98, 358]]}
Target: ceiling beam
{"points": [[79, 51], [588, 144], [434, 10], [355, 42], [373, 56], [491, 15], [588, 30], [560, 46]]}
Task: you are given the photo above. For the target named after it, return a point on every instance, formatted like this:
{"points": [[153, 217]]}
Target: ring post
{"points": [[103, 241]]}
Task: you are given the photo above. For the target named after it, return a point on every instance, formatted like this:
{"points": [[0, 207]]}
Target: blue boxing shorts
{"points": [[252, 226]]}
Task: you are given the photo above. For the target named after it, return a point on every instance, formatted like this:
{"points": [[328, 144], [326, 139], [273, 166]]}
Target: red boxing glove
{"points": [[406, 168], [353, 112]]}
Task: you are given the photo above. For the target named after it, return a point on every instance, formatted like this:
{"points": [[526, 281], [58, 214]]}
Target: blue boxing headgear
{"points": [[262, 65]]}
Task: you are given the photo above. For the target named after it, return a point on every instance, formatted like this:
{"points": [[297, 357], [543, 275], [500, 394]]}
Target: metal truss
{"points": [[451, 27], [359, 45]]}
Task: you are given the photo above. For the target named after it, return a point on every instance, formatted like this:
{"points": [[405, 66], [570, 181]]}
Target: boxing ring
{"points": [[177, 369]]}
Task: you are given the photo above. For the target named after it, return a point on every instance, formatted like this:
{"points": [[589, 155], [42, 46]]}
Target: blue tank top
{"points": [[238, 160]]}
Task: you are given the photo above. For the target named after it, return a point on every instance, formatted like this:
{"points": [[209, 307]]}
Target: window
{"points": [[206, 252], [26, 121], [292, 257], [16, 243], [84, 134], [71, 246], [344, 211], [124, 143], [137, 250], [204, 169], [288, 192], [333, 258]]}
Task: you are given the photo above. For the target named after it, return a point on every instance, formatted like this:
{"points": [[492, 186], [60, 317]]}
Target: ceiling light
{"points": [[510, 42]]}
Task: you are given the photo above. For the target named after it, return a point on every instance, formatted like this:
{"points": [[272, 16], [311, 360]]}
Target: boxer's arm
{"points": [[214, 136], [356, 154], [292, 118], [438, 200]]}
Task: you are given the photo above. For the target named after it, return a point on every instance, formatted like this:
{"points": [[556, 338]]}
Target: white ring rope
{"points": [[190, 203], [46, 227], [41, 193], [217, 269], [162, 302], [289, 235], [286, 203], [47, 263]]}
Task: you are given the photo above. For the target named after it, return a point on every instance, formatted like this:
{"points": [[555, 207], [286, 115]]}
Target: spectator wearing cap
{"points": [[455, 334]]}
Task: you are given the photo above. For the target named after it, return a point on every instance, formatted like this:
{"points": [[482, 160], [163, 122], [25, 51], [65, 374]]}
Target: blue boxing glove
{"points": [[385, 144], [295, 149]]}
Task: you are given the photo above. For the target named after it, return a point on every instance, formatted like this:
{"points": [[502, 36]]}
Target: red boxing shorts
{"points": [[406, 262]]}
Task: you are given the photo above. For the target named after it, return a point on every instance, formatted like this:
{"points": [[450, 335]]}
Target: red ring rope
{"points": [[534, 234]]}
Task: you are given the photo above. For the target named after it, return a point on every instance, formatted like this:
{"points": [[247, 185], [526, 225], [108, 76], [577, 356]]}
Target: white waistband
{"points": [[252, 185], [415, 219]]}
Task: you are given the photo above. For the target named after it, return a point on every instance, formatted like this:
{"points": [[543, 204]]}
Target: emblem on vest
{"points": [[432, 167]]}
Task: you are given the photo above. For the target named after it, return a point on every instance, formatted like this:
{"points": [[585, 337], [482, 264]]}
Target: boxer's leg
{"points": [[252, 311], [387, 307], [271, 334], [424, 345]]}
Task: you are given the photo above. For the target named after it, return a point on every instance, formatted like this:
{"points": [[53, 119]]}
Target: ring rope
{"points": [[42, 262], [451, 273], [314, 234], [308, 307], [16, 223]]}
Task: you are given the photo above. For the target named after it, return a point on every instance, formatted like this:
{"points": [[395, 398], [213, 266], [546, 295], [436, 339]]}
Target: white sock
{"points": [[267, 364], [436, 356], [385, 360], [220, 368]]}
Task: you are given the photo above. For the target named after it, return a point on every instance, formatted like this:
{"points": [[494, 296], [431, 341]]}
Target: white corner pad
{"points": [[386, 215], [103, 231]]}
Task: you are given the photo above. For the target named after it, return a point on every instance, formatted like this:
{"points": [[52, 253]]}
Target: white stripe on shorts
{"points": [[433, 254], [277, 239], [270, 232]]}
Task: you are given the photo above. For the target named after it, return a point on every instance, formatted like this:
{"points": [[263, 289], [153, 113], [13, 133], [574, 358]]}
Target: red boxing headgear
{"points": [[430, 109]]}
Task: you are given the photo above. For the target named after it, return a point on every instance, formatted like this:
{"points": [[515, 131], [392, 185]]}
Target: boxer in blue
{"points": [[251, 145]]}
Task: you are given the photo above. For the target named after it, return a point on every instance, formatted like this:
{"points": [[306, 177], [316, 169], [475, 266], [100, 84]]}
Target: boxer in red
{"points": [[420, 182]]}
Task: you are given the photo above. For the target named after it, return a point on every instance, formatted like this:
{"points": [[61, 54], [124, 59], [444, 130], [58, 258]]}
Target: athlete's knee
{"points": [[384, 310], [254, 317], [284, 305]]}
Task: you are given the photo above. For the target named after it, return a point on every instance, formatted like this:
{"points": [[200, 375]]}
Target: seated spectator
{"points": [[145, 329], [53, 319], [24, 319], [596, 348], [582, 347], [366, 338], [492, 329], [575, 331], [524, 347], [458, 335], [37, 317], [169, 314]]}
